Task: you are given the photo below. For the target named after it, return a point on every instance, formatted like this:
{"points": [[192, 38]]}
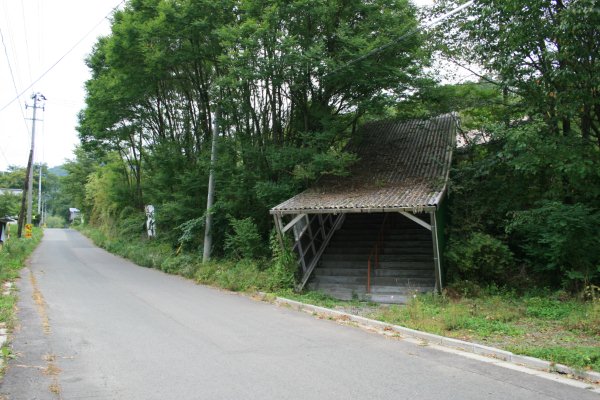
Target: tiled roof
{"points": [[401, 166]]}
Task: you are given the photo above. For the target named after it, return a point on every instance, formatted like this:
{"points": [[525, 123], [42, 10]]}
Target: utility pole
{"points": [[36, 97], [211, 189], [24, 195], [40, 194]]}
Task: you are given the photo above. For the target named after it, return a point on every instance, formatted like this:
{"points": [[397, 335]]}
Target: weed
{"points": [[316, 298], [583, 357], [585, 318], [7, 353], [12, 258], [546, 308]]}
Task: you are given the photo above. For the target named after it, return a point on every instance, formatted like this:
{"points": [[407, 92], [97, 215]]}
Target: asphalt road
{"points": [[94, 326]]}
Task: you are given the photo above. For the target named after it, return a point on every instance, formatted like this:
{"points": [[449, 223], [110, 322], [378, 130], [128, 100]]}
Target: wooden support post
{"points": [[311, 235], [311, 266], [436, 253], [322, 226], [278, 228]]}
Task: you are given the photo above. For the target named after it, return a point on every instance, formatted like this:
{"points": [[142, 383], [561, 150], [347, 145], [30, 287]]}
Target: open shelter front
{"points": [[377, 233]]}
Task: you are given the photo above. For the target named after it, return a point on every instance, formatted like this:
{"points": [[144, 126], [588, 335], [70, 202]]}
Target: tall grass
{"points": [[562, 330], [13, 255], [237, 275]]}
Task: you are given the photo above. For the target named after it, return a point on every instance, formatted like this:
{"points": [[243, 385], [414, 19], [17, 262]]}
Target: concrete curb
{"points": [[461, 345]]}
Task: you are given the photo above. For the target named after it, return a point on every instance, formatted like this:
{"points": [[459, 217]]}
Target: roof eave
{"points": [[428, 208]]}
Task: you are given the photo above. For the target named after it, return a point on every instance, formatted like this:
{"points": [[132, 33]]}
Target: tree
{"points": [[281, 71], [540, 168], [10, 204], [13, 177], [546, 51], [72, 186]]}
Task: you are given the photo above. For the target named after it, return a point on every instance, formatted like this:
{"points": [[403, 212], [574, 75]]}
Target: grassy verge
{"points": [[235, 275], [12, 258], [547, 325], [561, 330]]}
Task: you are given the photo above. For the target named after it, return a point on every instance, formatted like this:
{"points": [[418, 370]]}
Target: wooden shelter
{"points": [[385, 214]]}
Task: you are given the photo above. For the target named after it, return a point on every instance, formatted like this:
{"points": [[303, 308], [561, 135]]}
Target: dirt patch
{"points": [[40, 303]]}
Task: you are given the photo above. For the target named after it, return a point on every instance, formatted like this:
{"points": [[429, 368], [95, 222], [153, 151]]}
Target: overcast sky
{"points": [[36, 34]]}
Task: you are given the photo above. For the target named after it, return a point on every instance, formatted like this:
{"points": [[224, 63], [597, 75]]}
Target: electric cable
{"points": [[4, 156], [10, 42], [12, 75], [63, 56], [26, 41]]}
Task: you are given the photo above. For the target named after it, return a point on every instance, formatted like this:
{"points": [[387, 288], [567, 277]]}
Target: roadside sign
{"points": [[28, 228]]}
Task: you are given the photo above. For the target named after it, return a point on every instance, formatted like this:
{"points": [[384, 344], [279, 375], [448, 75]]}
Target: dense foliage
{"points": [[534, 183], [288, 103], [14, 178], [292, 80]]}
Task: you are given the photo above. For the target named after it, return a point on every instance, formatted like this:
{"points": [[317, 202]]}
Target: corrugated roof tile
{"points": [[402, 165]]}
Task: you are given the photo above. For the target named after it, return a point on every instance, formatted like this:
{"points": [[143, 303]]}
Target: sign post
{"points": [[28, 229]]}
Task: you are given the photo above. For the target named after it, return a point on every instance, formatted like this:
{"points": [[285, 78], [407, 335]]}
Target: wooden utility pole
{"points": [[27, 199], [36, 97], [24, 196], [211, 189], [40, 194]]}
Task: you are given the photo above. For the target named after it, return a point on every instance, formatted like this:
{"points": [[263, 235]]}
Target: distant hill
{"points": [[58, 171]]}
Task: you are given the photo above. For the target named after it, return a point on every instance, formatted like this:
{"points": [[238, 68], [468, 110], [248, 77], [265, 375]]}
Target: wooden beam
{"points": [[278, 224], [436, 254], [417, 220], [338, 221], [292, 222]]}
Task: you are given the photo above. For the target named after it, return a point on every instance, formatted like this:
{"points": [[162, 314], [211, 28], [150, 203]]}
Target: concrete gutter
{"points": [[455, 344]]}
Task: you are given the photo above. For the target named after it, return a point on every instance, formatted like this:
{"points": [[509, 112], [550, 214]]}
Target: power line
{"points": [[26, 41], [10, 42], [63, 56], [411, 32], [4, 156], [12, 75]]}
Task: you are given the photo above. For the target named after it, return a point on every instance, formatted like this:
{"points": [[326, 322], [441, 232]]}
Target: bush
{"points": [[182, 264], [560, 241], [13, 254], [131, 222], [245, 241], [480, 257], [241, 275], [282, 272], [191, 232], [54, 221], [547, 308]]}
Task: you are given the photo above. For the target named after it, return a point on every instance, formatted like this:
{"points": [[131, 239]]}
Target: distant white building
{"points": [[14, 192], [74, 213]]}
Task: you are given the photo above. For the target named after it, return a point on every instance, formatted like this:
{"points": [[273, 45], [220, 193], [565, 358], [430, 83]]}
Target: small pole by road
{"points": [[211, 189]]}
